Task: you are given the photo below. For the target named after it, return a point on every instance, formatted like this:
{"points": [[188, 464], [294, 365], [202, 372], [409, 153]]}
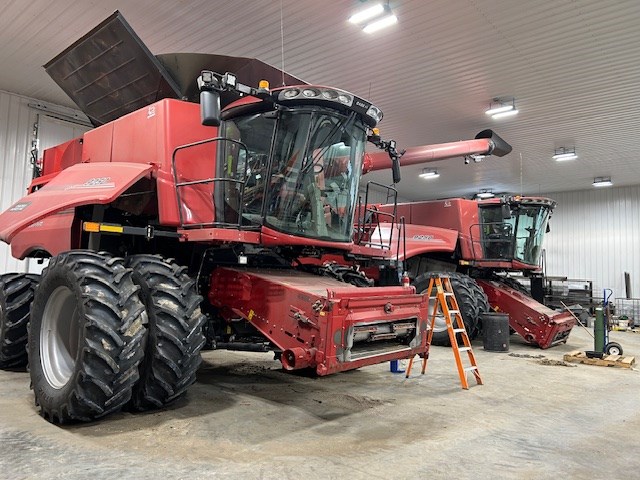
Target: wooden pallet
{"points": [[619, 361]]}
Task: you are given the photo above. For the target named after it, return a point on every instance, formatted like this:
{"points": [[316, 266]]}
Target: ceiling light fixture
{"points": [[602, 182], [561, 154], [429, 173], [366, 14], [374, 18], [484, 193], [502, 107]]}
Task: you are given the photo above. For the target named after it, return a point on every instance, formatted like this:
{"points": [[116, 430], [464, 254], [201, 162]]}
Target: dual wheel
{"points": [[107, 333], [471, 299], [16, 295]]}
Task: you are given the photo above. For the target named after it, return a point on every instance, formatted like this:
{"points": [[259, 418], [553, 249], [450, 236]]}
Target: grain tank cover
{"points": [[110, 72]]}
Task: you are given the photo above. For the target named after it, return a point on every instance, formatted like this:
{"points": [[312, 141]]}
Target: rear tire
{"points": [[85, 337], [172, 352], [16, 296], [482, 303], [467, 300]]}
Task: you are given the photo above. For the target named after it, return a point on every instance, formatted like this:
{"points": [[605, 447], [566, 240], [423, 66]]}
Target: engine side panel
{"points": [[54, 234], [81, 184]]}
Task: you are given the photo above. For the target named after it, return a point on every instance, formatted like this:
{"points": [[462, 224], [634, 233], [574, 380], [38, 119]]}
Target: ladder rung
{"points": [[458, 330], [472, 367], [448, 294], [452, 312], [464, 349]]}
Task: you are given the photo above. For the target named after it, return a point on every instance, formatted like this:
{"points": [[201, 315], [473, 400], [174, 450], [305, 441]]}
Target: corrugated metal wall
{"points": [[378, 194], [17, 121], [16, 124], [595, 235]]}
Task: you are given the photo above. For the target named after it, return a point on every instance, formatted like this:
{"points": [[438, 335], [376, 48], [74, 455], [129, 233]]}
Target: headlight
{"points": [[375, 113], [330, 94], [346, 99], [291, 93]]}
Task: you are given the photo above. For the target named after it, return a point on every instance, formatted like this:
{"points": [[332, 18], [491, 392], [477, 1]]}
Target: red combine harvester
{"points": [[173, 223], [485, 239]]}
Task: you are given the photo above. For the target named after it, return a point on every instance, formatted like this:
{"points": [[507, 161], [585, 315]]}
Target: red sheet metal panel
{"points": [[321, 323], [53, 234], [537, 324], [81, 184]]}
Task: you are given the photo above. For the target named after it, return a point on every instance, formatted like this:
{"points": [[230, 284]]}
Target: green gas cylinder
{"points": [[598, 330]]}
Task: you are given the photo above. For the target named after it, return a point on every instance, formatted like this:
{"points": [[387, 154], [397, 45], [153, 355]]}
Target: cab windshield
{"points": [[529, 224], [300, 170]]}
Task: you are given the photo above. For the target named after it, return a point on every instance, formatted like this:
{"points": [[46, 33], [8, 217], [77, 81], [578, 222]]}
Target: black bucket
{"points": [[495, 332]]}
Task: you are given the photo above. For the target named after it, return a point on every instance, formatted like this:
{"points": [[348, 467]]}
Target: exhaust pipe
{"points": [[500, 147], [297, 358]]}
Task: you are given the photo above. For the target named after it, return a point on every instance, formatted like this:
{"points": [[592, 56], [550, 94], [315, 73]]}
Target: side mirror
{"points": [[395, 161], [395, 169], [506, 211], [210, 108]]}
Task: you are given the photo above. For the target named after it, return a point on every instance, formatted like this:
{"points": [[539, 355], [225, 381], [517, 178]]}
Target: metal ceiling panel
{"points": [[572, 66]]}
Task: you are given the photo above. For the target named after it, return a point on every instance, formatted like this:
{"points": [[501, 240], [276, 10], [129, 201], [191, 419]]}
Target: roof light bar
{"points": [[332, 97]]}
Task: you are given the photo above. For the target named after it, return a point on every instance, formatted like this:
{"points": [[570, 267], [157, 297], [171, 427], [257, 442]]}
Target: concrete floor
{"points": [[245, 418]]}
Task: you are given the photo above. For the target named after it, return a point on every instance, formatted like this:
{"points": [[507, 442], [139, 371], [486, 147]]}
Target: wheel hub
{"points": [[440, 325], [59, 337]]}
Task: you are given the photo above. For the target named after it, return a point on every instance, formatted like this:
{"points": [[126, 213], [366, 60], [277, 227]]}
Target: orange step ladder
{"points": [[445, 302]]}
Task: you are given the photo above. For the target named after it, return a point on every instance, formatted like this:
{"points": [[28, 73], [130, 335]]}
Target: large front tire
{"points": [[16, 296], [85, 337], [172, 352]]}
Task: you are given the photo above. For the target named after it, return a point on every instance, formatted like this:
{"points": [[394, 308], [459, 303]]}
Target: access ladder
{"points": [[445, 302]]}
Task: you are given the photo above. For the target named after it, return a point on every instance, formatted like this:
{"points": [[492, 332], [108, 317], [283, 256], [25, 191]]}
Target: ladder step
{"points": [[458, 330], [468, 369], [464, 349], [454, 312]]}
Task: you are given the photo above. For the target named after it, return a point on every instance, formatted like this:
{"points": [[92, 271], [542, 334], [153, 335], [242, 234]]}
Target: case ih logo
{"points": [[98, 182], [423, 238], [18, 207]]}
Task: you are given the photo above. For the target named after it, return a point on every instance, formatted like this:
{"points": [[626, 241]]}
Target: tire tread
{"points": [[172, 354]]}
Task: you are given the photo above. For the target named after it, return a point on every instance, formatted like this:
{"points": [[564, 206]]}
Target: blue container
{"points": [[396, 367]]}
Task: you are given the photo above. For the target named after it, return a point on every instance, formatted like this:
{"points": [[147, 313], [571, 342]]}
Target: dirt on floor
{"points": [[246, 418]]}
